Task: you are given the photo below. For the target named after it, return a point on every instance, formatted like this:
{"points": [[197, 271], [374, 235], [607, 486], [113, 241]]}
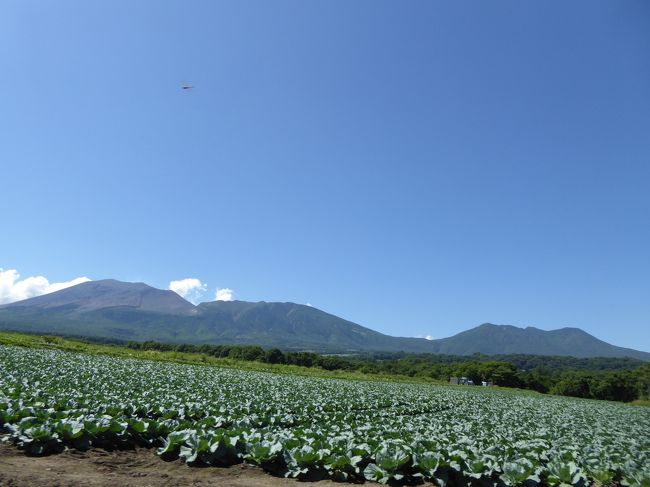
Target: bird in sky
{"points": [[187, 87]]}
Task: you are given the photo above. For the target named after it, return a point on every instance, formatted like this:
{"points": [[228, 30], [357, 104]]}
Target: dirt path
{"points": [[133, 468]]}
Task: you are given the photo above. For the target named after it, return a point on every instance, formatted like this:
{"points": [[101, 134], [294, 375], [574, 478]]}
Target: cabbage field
{"points": [[314, 428]]}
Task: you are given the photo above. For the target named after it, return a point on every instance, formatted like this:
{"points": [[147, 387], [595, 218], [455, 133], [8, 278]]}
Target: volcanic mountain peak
{"points": [[109, 293]]}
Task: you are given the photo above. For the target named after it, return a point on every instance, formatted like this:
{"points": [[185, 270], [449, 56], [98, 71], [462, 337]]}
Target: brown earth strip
{"points": [[128, 468]]}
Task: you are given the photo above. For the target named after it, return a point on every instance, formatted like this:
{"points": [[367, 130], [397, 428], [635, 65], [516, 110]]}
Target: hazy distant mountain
{"points": [[490, 339], [117, 310]]}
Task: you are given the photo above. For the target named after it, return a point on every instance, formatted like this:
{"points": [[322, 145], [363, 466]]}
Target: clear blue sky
{"points": [[416, 167]]}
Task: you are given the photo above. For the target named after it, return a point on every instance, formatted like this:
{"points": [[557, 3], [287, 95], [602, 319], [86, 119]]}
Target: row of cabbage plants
{"points": [[314, 428]]}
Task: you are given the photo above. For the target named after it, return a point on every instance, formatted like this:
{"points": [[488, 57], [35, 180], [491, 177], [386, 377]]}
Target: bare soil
{"points": [[128, 468]]}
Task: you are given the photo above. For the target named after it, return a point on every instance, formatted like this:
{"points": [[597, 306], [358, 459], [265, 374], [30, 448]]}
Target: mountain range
{"points": [[123, 311]]}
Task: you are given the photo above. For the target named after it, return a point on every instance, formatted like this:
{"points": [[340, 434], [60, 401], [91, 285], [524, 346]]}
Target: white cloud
{"points": [[426, 337], [190, 288], [224, 294], [12, 288], [309, 304]]}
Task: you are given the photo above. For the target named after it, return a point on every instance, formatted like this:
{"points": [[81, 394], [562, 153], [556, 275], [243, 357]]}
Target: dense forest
{"points": [[614, 379]]}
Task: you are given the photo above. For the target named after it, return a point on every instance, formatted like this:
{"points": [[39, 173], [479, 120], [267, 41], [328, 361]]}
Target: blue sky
{"points": [[416, 167]]}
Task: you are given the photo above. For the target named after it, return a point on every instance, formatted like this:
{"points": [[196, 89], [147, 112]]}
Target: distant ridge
{"points": [[115, 310], [490, 339]]}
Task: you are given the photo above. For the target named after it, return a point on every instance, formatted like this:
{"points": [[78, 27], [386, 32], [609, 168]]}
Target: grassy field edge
{"points": [[72, 345]]}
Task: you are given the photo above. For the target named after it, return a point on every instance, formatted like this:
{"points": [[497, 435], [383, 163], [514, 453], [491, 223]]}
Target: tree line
{"points": [[614, 379]]}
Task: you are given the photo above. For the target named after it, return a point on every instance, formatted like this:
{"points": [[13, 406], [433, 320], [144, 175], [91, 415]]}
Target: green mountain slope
{"points": [[293, 326]]}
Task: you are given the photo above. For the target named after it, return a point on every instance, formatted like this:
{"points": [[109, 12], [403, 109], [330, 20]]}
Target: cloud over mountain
{"points": [[190, 288], [13, 288], [224, 294]]}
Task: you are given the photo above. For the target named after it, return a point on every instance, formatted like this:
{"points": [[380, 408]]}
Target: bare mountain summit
{"points": [[108, 293]]}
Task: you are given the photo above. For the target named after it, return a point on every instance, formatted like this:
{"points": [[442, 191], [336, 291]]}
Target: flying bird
{"points": [[187, 87]]}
